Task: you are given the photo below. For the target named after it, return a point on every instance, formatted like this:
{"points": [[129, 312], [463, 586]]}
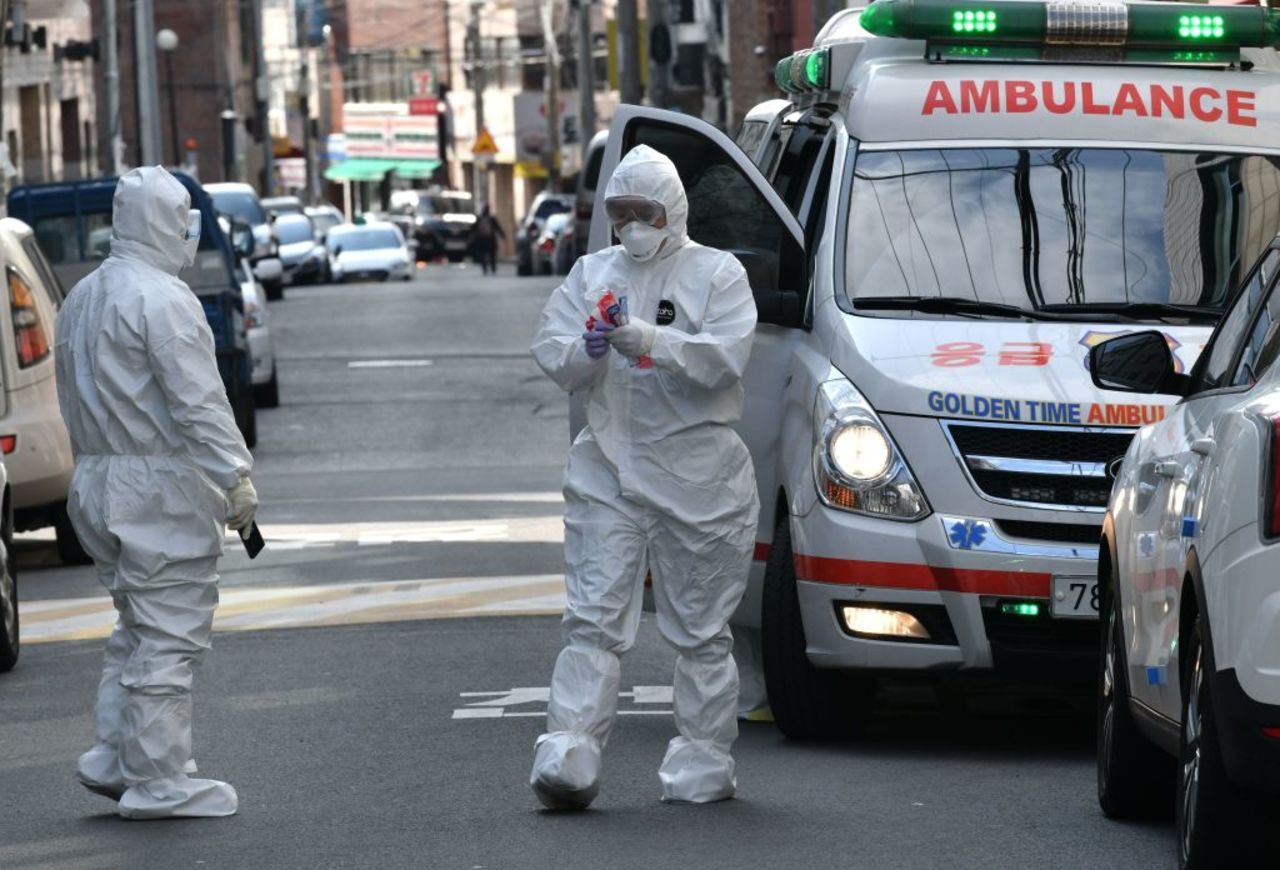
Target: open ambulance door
{"points": [[731, 207]]}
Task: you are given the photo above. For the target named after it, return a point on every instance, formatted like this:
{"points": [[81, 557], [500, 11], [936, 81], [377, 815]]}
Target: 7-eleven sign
{"points": [[424, 83]]}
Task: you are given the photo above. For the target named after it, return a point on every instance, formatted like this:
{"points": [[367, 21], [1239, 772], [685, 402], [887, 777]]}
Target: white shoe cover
{"points": [[179, 797], [99, 771], [696, 772], [566, 770]]}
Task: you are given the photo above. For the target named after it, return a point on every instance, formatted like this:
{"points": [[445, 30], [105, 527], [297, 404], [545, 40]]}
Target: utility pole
{"points": [[4, 145], [552, 50], [586, 78], [144, 42], [660, 53], [629, 90], [478, 77], [115, 144], [308, 152], [262, 110]]}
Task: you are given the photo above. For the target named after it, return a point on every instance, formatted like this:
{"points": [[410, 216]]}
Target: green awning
{"points": [[416, 168], [359, 170]]}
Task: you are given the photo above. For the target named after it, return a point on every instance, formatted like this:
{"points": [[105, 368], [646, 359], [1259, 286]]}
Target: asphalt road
{"points": [[377, 678]]}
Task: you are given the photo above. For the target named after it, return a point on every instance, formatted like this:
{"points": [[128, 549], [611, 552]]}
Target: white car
{"points": [[34, 440], [240, 202], [257, 324], [301, 254], [1190, 578], [375, 250]]}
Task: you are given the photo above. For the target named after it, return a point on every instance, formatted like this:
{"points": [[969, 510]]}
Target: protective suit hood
{"points": [[647, 172], [149, 222]]}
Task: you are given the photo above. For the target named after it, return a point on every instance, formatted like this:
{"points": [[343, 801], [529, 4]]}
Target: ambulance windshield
{"points": [[1066, 229]]}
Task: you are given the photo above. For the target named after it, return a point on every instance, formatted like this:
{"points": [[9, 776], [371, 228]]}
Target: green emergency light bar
{"points": [[1169, 26], [808, 70]]}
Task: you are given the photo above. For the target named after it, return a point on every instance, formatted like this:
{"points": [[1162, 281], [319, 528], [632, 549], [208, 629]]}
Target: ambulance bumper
{"points": [[952, 573]]}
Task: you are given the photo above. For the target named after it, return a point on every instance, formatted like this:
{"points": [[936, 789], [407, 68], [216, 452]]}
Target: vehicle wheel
{"points": [[10, 641], [808, 703], [268, 395], [523, 269], [1135, 777], [457, 258], [546, 268], [1216, 818], [70, 551]]}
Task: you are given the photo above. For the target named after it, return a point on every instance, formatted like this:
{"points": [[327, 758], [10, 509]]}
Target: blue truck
{"points": [[72, 224]]}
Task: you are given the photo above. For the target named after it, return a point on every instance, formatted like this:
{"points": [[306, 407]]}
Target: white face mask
{"points": [[641, 240], [191, 241]]}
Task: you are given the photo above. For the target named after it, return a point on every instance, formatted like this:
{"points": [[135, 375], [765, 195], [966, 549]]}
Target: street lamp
{"points": [[167, 42]]}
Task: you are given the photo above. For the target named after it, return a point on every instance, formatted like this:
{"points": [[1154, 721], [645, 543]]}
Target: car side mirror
{"points": [[337, 252], [1140, 362], [242, 240]]}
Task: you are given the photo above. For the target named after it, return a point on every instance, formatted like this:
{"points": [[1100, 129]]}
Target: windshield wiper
{"points": [[1141, 310], [949, 305]]}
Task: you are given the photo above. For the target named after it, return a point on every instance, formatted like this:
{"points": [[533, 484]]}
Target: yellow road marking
{"points": [[250, 608]]}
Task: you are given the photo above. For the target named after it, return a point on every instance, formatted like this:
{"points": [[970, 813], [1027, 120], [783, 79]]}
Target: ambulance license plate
{"points": [[1074, 597]]}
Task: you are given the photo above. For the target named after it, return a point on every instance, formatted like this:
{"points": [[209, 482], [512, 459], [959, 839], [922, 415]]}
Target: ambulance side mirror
{"points": [[1140, 362]]}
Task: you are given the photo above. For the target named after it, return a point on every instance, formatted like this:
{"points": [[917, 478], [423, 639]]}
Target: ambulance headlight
{"points": [[860, 452], [856, 465]]}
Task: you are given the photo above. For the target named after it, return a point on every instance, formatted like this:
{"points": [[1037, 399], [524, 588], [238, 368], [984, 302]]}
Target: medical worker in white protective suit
{"points": [[160, 467], [656, 482]]}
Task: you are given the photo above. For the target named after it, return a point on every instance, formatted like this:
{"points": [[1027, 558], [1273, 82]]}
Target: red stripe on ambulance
{"points": [[1016, 96]]}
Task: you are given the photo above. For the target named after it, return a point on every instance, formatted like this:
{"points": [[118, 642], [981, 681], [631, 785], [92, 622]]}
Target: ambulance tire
{"points": [[1135, 777], [808, 703]]}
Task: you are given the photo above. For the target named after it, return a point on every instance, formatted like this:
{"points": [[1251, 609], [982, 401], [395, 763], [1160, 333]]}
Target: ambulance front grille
{"points": [[1050, 466]]}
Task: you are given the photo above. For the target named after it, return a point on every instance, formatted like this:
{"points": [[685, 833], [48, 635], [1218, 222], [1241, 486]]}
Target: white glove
{"points": [[633, 340], [242, 501]]}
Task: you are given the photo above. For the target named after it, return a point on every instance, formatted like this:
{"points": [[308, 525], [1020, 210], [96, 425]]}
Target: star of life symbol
{"points": [[967, 534]]}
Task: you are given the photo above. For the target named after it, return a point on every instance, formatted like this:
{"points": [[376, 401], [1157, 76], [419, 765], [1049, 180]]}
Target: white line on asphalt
{"points": [[494, 704], [390, 363]]}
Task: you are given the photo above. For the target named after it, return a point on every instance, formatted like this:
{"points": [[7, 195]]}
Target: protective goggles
{"points": [[624, 209], [194, 223]]}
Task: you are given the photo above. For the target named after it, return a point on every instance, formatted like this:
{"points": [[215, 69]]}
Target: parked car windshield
{"points": [[240, 205], [324, 221], [1067, 228], [291, 231], [451, 204], [548, 207], [364, 240]]}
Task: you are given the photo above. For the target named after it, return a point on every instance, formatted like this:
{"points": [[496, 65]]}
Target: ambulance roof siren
{"points": [[1170, 26]]}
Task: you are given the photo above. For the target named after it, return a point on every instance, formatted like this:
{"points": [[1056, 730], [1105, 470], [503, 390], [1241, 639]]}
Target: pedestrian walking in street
{"points": [[657, 482], [159, 468], [487, 233]]}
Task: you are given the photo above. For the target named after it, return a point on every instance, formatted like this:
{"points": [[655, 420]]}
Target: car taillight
{"points": [[548, 246], [1273, 481], [28, 331], [8, 443]]}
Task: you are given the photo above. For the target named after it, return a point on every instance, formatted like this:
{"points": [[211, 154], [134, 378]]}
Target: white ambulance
{"points": [[954, 203]]}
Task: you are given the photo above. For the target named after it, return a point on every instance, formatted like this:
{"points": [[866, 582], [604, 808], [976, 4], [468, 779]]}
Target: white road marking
{"points": [[495, 704], [390, 363]]}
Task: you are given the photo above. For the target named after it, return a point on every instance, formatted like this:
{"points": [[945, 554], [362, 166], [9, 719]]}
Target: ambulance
{"points": [[951, 204]]}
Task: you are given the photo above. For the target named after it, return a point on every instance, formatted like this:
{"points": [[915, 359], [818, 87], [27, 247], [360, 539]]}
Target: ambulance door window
{"points": [[751, 135], [799, 161], [727, 210]]}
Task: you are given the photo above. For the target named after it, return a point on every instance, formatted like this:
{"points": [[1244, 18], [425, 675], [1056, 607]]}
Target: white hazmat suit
{"points": [[157, 453], [656, 482]]}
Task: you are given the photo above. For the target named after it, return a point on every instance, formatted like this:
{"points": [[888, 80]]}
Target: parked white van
{"points": [[939, 221]]}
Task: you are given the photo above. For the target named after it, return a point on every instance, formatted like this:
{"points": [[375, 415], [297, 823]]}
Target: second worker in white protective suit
{"points": [[160, 467], [657, 482]]}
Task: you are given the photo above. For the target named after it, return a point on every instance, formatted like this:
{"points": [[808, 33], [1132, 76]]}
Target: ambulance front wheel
{"points": [[808, 703]]}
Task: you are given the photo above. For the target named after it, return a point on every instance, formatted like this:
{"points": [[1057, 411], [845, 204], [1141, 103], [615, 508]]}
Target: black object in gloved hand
{"points": [[252, 540]]}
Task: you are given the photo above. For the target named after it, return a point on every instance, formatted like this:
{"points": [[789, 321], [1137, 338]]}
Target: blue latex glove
{"points": [[597, 342]]}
